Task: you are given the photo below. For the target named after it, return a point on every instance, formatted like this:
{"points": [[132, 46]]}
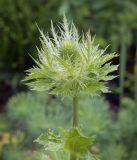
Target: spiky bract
{"points": [[70, 64]]}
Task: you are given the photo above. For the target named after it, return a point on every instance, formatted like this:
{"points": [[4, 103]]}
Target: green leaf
{"points": [[107, 57], [72, 141], [41, 85], [77, 143], [50, 141]]}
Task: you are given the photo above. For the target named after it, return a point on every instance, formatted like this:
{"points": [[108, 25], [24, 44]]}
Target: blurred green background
{"points": [[24, 115]]}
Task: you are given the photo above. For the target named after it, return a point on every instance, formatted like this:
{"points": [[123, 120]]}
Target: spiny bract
{"points": [[70, 64]]}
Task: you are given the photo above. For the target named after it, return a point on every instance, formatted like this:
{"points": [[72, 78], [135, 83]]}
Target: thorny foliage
{"points": [[70, 64]]}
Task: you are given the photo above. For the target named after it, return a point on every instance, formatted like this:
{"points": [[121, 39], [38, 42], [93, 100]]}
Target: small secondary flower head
{"points": [[70, 64]]}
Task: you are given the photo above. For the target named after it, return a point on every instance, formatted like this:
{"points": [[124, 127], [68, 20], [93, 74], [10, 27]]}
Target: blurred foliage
{"points": [[18, 28], [121, 141], [33, 113], [92, 112], [15, 153], [112, 21], [127, 120], [4, 126]]}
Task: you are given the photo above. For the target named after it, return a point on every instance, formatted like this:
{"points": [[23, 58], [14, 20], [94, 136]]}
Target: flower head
{"points": [[70, 64]]}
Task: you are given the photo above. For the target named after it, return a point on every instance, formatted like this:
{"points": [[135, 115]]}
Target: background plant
{"points": [[111, 139]]}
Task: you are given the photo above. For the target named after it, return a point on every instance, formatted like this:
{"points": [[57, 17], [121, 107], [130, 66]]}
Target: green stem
{"points": [[75, 111], [73, 157], [123, 58], [75, 120], [135, 73]]}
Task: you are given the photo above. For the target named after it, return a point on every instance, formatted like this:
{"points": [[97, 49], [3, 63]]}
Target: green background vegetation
{"points": [[26, 115]]}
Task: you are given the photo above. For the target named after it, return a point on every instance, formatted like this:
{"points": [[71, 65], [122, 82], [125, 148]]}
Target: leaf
{"points": [[77, 143], [34, 73], [63, 63], [41, 84], [67, 140], [50, 141], [108, 68], [96, 88], [107, 57]]}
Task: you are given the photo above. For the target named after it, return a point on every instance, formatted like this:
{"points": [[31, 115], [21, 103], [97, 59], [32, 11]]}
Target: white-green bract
{"points": [[70, 64]]}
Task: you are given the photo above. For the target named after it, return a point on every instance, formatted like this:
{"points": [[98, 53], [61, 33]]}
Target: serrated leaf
{"points": [[41, 85], [107, 57], [50, 141], [77, 143], [67, 140]]}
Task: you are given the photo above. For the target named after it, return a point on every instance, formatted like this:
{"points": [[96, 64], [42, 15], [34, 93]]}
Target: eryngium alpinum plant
{"points": [[70, 64]]}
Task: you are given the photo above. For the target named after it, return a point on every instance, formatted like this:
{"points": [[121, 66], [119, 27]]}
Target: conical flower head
{"points": [[70, 64]]}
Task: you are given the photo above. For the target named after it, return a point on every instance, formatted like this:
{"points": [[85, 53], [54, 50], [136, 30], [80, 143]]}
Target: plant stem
{"points": [[135, 73], [75, 120], [73, 157], [75, 111], [123, 58]]}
